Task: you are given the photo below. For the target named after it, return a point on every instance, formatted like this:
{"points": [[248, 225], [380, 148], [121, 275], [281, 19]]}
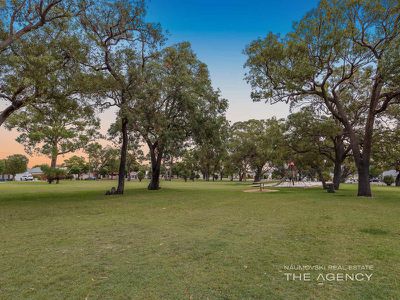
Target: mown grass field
{"points": [[192, 241]]}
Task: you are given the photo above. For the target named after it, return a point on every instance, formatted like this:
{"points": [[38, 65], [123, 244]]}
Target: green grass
{"points": [[192, 241]]}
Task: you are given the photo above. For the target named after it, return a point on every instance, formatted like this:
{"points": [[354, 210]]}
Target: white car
{"points": [[27, 177]]}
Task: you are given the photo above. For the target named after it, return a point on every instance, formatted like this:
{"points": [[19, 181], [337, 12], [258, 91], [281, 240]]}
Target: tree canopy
{"points": [[343, 57]]}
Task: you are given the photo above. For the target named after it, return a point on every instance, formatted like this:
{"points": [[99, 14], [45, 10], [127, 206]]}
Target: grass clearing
{"points": [[192, 241]]}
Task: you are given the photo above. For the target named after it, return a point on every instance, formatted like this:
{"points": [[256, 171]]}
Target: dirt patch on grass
{"points": [[258, 191]]}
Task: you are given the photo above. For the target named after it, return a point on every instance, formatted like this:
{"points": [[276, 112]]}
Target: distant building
{"points": [[393, 173], [36, 173]]}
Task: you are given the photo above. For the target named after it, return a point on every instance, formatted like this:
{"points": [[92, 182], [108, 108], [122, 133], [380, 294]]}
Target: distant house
{"points": [[36, 173]]}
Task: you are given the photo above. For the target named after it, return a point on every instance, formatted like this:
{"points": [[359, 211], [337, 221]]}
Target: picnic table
{"points": [[260, 184]]}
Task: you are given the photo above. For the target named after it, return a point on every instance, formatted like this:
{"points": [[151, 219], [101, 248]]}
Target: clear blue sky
{"points": [[219, 30]]}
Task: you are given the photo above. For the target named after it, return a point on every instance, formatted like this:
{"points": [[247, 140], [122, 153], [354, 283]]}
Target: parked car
{"points": [[27, 177]]}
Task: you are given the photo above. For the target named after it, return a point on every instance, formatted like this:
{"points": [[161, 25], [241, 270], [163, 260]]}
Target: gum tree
{"points": [[15, 164], [310, 132], [19, 18], [343, 56], [259, 142], [120, 42], [55, 127], [177, 100], [37, 41]]}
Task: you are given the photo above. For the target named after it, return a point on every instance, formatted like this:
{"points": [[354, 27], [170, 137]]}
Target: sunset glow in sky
{"points": [[218, 30]]}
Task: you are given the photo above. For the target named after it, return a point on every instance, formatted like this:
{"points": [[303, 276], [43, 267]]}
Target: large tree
{"points": [[177, 100], [76, 165], [344, 56], [32, 55], [210, 147], [55, 127], [310, 132], [259, 142], [120, 43], [15, 164]]}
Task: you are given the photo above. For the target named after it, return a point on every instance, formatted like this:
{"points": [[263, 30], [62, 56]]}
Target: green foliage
{"points": [[59, 126], [183, 170], [177, 101], [53, 174], [41, 66], [76, 165], [2, 166], [388, 179], [140, 175], [255, 145], [15, 164], [109, 161], [375, 171], [341, 57]]}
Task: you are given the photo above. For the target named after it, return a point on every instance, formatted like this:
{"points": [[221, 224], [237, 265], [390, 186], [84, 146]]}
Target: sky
{"points": [[219, 31]]}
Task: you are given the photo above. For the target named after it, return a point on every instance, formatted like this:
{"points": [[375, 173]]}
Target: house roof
{"points": [[36, 170]]}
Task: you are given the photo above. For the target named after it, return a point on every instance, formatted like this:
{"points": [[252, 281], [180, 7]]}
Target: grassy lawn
{"points": [[192, 241]]}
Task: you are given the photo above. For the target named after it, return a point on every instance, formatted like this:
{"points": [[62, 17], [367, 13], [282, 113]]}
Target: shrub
{"points": [[53, 174], [388, 179], [140, 176]]}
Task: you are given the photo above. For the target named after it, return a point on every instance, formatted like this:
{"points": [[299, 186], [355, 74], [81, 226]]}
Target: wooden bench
{"points": [[330, 188], [259, 184]]}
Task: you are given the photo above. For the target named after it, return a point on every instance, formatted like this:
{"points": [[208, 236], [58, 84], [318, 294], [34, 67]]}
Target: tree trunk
{"points": [[364, 186], [398, 179], [257, 176], [170, 168], [54, 155], [123, 156], [337, 174], [156, 159], [322, 179], [362, 159]]}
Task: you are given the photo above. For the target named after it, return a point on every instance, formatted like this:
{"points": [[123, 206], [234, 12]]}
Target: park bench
{"points": [[259, 184], [330, 188]]}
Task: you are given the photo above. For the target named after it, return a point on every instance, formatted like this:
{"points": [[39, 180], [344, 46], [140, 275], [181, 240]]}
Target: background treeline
{"points": [[64, 62]]}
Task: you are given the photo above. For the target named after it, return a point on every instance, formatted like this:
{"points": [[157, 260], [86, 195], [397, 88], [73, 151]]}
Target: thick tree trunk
{"points": [[123, 157], [362, 159], [398, 179], [156, 159], [364, 186]]}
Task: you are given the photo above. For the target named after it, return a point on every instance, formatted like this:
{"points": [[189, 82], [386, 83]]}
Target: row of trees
{"points": [[62, 62], [343, 59], [315, 144]]}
